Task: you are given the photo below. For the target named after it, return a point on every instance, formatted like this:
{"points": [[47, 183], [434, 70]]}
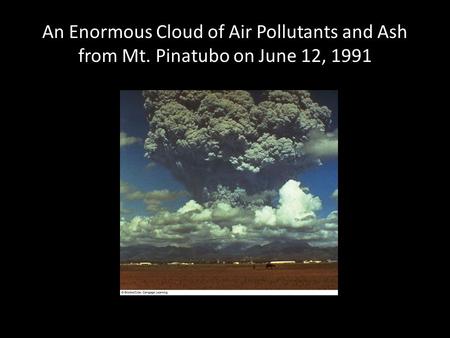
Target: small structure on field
{"points": [[236, 263], [310, 261], [180, 263], [145, 263], [282, 262]]}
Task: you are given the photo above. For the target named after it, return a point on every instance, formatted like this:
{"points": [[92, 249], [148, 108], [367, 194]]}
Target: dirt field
{"points": [[230, 277]]}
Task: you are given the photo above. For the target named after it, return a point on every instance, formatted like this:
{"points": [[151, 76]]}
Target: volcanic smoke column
{"points": [[233, 145]]}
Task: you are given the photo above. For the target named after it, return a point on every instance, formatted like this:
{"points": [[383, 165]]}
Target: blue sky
{"points": [[134, 167]]}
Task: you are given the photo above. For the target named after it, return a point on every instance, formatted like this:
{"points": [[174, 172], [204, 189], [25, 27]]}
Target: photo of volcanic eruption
{"points": [[228, 176]]}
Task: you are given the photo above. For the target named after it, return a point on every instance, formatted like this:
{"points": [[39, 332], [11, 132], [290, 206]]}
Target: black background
{"points": [[71, 147]]}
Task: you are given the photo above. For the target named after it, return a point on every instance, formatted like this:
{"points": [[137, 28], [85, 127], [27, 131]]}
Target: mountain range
{"points": [[286, 249]]}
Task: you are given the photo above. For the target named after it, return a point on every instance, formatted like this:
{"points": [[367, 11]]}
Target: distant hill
{"points": [[276, 250]]}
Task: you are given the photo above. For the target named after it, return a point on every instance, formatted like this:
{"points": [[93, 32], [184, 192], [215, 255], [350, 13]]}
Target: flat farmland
{"points": [[229, 277]]}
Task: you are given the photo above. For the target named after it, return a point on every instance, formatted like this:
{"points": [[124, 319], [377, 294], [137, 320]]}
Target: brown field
{"points": [[230, 277]]}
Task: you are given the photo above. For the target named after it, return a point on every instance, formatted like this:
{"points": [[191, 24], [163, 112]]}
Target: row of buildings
{"points": [[306, 261]]}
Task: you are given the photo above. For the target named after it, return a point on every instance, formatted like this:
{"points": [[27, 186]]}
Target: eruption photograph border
{"points": [[242, 292]]}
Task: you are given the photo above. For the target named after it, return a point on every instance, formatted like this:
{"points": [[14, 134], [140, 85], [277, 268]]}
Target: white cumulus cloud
{"points": [[296, 208], [323, 145], [126, 140], [335, 194], [294, 217]]}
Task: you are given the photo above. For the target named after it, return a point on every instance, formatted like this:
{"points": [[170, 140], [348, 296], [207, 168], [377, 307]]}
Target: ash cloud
{"points": [[240, 140]]}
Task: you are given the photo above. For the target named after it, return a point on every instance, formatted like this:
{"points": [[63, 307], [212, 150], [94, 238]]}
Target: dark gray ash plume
{"points": [[233, 145]]}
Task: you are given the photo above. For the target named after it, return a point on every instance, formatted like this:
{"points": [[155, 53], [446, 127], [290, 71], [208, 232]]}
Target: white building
{"points": [[282, 262], [310, 261], [180, 263]]}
